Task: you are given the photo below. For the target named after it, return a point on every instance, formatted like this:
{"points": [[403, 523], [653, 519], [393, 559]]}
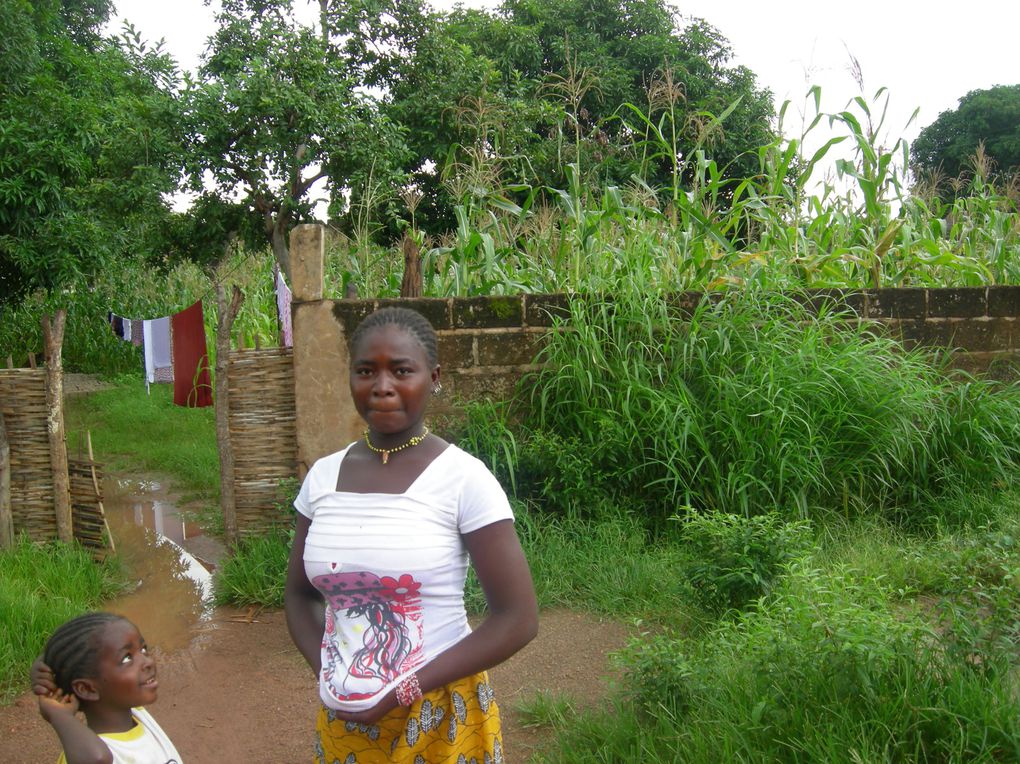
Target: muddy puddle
{"points": [[170, 599]]}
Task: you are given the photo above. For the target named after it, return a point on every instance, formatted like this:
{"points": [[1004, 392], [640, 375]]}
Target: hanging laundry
{"points": [[136, 331], [283, 301], [117, 324], [157, 350], [192, 385], [125, 328]]}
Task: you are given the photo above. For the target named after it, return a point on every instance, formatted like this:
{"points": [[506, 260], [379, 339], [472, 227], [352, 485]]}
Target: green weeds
{"points": [[254, 574], [751, 405], [41, 586]]}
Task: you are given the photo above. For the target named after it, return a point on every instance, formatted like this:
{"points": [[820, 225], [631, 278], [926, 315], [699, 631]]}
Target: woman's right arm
{"points": [[303, 605]]}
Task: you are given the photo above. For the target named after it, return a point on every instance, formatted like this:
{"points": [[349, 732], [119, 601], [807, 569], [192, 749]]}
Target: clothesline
{"points": [[174, 350], [174, 347]]}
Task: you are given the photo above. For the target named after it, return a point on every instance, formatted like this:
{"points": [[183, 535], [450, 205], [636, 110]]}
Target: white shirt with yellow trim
{"points": [[145, 743]]}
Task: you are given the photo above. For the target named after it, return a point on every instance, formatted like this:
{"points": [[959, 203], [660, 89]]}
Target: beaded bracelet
{"points": [[408, 690]]}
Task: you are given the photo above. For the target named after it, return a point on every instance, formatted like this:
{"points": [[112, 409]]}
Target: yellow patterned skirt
{"points": [[458, 724]]}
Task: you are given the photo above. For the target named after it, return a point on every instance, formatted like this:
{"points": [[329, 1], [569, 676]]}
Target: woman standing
{"points": [[375, 585]]}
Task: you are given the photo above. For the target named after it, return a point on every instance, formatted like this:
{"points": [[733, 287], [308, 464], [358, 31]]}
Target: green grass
{"points": [[545, 709], [41, 586], [133, 430], [255, 573], [752, 405], [826, 670]]}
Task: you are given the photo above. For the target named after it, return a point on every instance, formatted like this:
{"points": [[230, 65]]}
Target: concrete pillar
{"points": [[326, 419]]}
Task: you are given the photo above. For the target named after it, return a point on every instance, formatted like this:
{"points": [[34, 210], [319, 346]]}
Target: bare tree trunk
{"points": [[412, 283], [324, 19], [6, 517], [224, 321], [53, 340], [281, 251]]}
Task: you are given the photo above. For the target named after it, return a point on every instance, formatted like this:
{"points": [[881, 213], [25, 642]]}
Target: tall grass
{"points": [[40, 588], [754, 404], [255, 573]]}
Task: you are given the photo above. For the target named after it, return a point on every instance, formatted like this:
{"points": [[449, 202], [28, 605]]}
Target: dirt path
{"points": [[240, 692]]}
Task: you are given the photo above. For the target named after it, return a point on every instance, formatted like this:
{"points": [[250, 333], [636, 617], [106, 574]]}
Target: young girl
{"points": [[375, 587], [99, 663]]}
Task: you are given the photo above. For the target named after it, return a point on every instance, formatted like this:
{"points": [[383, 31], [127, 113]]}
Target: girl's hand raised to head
{"points": [[42, 679], [57, 704]]}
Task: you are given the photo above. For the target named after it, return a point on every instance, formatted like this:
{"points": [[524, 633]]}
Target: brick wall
{"points": [[980, 324], [487, 343]]}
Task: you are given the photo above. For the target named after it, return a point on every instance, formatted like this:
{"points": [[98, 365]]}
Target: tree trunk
{"points": [[282, 252], [53, 340], [412, 283], [224, 321], [6, 517]]}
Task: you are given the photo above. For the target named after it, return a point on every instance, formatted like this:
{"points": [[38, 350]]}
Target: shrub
{"points": [[736, 559], [824, 670]]}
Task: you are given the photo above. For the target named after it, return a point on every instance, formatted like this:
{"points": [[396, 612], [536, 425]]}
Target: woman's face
{"points": [[391, 381]]}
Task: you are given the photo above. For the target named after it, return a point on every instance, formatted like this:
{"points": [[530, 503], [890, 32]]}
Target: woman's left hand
{"points": [[371, 715]]}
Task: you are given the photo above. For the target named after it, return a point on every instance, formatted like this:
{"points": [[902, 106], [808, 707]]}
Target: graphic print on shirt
{"points": [[383, 635]]}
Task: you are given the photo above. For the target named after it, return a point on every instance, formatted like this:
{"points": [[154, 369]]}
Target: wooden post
{"points": [[53, 337], [225, 316], [6, 516], [99, 494]]}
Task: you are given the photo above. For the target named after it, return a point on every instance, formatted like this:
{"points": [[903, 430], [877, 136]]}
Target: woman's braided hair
{"points": [[71, 650], [410, 320]]}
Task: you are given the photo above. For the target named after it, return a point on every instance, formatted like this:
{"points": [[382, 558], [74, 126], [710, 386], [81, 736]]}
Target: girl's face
{"points": [[126, 673], [391, 381]]}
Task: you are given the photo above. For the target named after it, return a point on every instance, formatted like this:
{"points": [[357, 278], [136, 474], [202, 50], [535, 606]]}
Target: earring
{"points": [[437, 388]]}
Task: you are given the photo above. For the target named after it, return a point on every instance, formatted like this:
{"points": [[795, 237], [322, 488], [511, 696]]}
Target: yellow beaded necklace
{"points": [[387, 451]]}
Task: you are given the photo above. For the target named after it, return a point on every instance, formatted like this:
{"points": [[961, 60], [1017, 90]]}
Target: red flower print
{"points": [[399, 589]]}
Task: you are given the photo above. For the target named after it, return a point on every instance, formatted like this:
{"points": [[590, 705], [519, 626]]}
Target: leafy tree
{"points": [[990, 117], [559, 73], [275, 110], [88, 144]]}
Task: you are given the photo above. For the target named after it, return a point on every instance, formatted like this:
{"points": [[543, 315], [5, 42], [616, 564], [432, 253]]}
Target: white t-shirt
{"points": [[145, 743], [391, 568]]}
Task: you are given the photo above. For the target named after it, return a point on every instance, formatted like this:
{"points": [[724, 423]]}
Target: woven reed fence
{"points": [[23, 405], [263, 436], [88, 518]]}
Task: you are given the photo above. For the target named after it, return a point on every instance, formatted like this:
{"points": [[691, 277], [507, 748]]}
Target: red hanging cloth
{"points": [[192, 387]]}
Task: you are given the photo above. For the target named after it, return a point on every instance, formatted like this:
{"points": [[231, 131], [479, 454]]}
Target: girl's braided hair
{"points": [[71, 650], [410, 320]]}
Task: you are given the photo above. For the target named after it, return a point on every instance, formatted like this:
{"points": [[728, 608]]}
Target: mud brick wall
{"points": [[981, 325], [486, 344]]}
